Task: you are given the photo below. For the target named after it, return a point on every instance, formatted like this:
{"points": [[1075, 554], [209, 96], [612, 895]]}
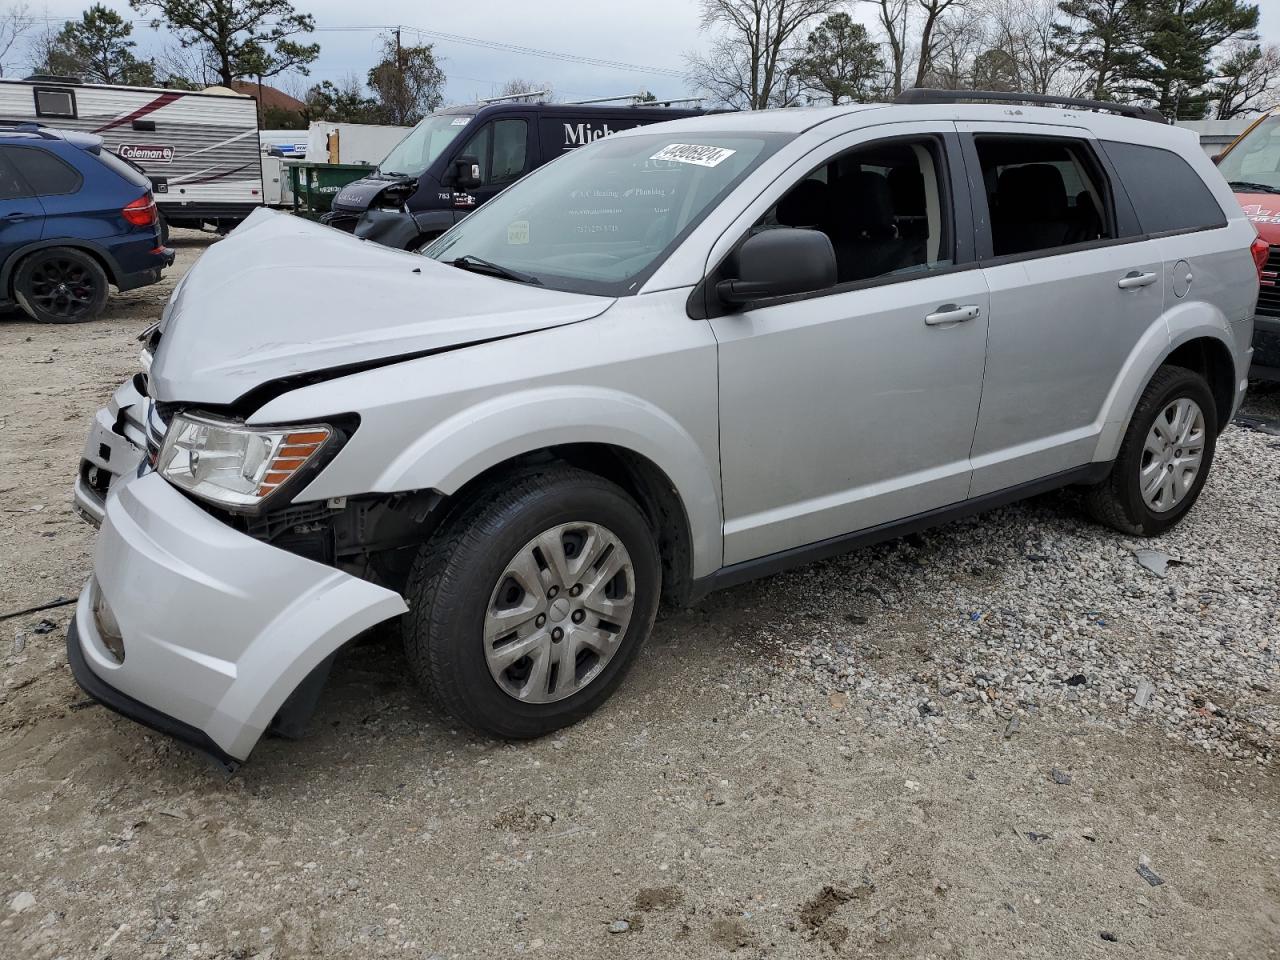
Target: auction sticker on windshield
{"points": [[702, 156]]}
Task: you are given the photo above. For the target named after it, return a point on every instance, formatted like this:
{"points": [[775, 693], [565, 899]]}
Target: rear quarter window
{"points": [[1166, 192], [126, 169], [48, 175]]}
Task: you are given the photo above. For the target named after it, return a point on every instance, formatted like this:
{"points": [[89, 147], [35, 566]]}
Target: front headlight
{"points": [[233, 464]]}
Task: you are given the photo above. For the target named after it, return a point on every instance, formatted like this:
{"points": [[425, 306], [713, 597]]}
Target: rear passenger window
{"points": [[1042, 193], [883, 205], [47, 175], [12, 186], [1168, 195]]}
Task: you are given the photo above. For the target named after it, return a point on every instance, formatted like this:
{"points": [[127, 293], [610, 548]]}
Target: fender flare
{"points": [[463, 446], [1185, 322]]}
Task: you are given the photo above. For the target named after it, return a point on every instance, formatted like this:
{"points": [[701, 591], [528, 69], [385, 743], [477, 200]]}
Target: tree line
{"points": [[1191, 59]]}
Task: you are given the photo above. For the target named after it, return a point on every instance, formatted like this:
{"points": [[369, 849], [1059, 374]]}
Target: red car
{"points": [[1252, 168]]}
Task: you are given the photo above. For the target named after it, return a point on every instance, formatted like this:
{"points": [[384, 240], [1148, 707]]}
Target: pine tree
{"points": [[1103, 37]]}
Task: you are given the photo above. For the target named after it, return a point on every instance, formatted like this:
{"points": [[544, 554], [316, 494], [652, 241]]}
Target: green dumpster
{"points": [[315, 184]]}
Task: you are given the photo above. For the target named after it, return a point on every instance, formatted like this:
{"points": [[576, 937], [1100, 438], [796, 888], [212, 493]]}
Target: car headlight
{"points": [[232, 464]]}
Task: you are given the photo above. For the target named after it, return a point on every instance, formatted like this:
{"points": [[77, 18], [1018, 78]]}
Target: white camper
{"points": [[200, 149]]}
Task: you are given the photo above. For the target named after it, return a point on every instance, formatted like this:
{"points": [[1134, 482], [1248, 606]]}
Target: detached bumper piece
{"points": [[126, 706], [203, 632]]}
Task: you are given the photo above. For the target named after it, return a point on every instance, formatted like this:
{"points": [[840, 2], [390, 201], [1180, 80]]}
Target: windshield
{"points": [[1253, 164], [412, 155], [600, 219]]}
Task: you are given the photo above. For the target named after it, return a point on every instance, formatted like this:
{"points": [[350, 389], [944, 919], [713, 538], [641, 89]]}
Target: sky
{"points": [[653, 35]]}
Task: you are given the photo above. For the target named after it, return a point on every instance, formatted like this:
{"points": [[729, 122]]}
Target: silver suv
{"points": [[676, 359]]}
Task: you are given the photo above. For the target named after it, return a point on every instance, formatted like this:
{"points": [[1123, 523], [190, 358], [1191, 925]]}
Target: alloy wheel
{"points": [[63, 287]]}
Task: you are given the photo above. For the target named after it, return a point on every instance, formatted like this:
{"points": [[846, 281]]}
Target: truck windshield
{"points": [[602, 218], [412, 155], [1253, 164]]}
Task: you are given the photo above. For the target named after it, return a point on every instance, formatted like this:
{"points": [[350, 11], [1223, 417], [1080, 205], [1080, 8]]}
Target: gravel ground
{"points": [[1002, 738]]}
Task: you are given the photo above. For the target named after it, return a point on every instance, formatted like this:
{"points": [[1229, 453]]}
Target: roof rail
{"points": [[28, 126], [932, 95], [513, 96]]}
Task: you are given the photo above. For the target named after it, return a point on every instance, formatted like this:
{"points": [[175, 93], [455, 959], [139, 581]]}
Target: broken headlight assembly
{"points": [[237, 466]]}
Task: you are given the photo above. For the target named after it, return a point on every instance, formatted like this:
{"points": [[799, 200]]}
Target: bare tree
{"points": [[748, 64], [894, 17], [15, 22], [528, 91], [933, 11], [958, 41], [1024, 31]]}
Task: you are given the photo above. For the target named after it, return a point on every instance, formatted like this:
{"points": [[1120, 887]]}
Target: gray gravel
{"points": [[1030, 609]]}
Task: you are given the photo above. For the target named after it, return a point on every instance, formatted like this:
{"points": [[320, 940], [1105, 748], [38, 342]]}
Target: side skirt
{"points": [[773, 563]]}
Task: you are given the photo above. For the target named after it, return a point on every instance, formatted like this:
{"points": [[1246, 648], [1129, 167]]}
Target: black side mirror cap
{"points": [[779, 262]]}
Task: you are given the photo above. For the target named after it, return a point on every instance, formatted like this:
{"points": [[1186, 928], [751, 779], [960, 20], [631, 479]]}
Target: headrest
{"points": [[906, 186], [1033, 191], [865, 206], [805, 204]]}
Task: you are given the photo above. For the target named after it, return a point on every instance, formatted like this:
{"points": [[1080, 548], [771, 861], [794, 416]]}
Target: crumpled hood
{"points": [[1264, 210], [283, 296]]}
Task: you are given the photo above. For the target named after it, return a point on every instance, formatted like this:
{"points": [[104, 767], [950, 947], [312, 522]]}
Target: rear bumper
{"points": [[218, 628]]}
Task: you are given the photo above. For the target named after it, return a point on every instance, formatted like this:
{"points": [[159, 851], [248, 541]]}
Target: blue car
{"points": [[74, 221]]}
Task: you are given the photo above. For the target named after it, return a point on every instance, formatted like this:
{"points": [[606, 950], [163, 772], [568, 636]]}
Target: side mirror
{"points": [[1216, 158], [466, 172], [779, 262]]}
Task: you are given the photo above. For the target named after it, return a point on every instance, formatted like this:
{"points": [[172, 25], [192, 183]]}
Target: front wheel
{"points": [[1164, 458], [531, 603]]}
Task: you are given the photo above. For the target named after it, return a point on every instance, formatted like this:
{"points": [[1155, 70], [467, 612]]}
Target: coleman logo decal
{"points": [[145, 153]]}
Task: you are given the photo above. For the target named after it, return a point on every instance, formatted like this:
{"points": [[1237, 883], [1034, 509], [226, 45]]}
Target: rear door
{"points": [[21, 214], [1073, 289]]}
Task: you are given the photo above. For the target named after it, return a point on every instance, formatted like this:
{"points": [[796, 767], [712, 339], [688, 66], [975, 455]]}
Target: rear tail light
{"points": [[142, 212], [1260, 250]]}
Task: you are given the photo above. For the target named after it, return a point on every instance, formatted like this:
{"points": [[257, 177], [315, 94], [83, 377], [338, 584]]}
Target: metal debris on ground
{"points": [[1157, 561], [44, 626], [1060, 777]]}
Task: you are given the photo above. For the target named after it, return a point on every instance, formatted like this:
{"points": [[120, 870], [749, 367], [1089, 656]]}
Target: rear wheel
{"points": [[61, 285], [530, 604], [1164, 459]]}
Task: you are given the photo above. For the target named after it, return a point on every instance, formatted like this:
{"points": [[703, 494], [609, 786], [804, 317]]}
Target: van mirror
{"points": [[780, 262], [466, 172]]}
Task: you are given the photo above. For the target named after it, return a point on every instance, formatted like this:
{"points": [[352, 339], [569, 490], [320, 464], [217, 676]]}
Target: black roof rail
{"points": [[932, 95], [28, 126]]}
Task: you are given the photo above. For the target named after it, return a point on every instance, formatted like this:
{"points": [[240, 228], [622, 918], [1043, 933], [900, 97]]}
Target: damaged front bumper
{"points": [[115, 446], [201, 631]]}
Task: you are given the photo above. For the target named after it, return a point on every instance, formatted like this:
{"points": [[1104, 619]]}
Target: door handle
{"points": [[1134, 279], [950, 313]]}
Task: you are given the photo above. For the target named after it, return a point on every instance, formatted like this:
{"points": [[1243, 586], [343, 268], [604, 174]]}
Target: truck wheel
{"points": [[1164, 458], [60, 285], [164, 230], [530, 604]]}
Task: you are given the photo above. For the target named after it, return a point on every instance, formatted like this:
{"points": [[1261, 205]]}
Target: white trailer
{"points": [[365, 143], [200, 149]]}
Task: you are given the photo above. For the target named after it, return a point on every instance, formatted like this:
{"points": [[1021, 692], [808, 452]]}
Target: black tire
{"points": [[164, 230], [1117, 501], [457, 570], [61, 285]]}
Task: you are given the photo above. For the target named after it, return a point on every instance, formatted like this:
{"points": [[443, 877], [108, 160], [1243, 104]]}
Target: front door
{"points": [[855, 406], [501, 148]]}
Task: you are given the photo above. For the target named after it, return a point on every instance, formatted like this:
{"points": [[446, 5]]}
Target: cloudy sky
{"points": [[652, 35]]}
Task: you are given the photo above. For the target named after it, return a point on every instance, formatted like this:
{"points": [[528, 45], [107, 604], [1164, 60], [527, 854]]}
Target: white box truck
{"points": [[200, 149]]}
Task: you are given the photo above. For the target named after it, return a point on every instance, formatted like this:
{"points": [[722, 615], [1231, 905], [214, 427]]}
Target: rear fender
{"points": [[1182, 323]]}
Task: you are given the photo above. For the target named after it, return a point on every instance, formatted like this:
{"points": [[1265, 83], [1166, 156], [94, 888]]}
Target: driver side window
{"points": [[883, 206]]}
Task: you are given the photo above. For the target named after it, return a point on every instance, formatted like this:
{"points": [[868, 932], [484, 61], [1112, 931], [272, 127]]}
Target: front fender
{"points": [[460, 448], [1179, 325]]}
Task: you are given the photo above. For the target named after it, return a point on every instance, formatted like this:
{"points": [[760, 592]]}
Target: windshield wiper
{"points": [[470, 261], [1252, 187]]}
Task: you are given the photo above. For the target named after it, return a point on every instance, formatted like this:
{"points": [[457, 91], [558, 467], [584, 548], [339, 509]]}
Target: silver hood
{"points": [[283, 296]]}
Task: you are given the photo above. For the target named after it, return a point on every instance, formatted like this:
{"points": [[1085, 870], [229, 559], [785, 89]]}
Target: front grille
{"points": [[1269, 289]]}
